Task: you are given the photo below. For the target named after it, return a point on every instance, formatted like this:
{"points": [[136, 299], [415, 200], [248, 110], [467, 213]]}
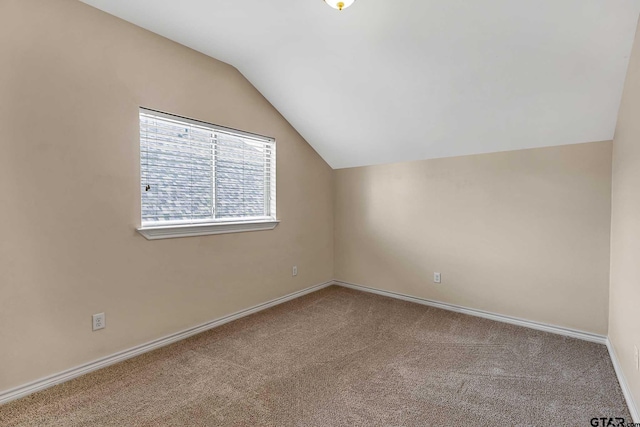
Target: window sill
{"points": [[191, 230]]}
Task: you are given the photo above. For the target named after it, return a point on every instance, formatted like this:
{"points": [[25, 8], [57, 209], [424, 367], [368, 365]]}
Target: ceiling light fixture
{"points": [[339, 4]]}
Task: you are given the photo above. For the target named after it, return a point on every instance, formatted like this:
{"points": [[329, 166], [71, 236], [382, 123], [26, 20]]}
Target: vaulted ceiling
{"points": [[387, 81]]}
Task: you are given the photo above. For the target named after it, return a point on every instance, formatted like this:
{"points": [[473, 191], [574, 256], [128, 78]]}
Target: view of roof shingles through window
{"points": [[193, 173], [240, 178]]}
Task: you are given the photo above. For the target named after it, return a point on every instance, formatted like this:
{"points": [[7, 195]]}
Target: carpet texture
{"points": [[339, 357]]}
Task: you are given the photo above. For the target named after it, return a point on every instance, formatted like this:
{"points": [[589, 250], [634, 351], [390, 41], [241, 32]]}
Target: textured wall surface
{"points": [[521, 233], [71, 82], [624, 309]]}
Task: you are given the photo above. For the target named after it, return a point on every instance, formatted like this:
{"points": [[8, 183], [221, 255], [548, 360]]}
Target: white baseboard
{"points": [[587, 336], [635, 415], [43, 383]]}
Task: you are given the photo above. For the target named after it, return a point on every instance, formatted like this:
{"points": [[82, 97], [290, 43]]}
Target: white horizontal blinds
{"points": [[242, 176], [193, 172], [177, 170]]}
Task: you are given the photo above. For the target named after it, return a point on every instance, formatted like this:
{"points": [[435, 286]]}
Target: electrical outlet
{"points": [[98, 321], [636, 357], [437, 278], [294, 271]]}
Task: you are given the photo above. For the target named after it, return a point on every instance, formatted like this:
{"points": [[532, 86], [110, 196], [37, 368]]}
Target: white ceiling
{"points": [[387, 81]]}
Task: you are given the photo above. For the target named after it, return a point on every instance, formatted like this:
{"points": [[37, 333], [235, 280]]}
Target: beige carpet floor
{"points": [[339, 357]]}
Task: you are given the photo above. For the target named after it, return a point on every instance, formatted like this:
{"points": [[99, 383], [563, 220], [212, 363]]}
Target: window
{"points": [[198, 178]]}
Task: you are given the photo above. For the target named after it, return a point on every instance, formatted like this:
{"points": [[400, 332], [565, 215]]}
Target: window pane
{"points": [[240, 179], [177, 165], [192, 172]]}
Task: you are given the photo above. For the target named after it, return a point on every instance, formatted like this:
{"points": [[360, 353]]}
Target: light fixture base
{"points": [[339, 4]]}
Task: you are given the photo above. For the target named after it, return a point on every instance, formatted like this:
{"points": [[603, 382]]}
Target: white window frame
{"points": [[168, 230]]}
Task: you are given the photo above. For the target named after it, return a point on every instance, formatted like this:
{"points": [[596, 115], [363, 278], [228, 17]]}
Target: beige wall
{"points": [[71, 81], [521, 233], [624, 308]]}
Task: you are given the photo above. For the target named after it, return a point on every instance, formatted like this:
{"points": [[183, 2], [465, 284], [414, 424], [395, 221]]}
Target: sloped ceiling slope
{"points": [[387, 81]]}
